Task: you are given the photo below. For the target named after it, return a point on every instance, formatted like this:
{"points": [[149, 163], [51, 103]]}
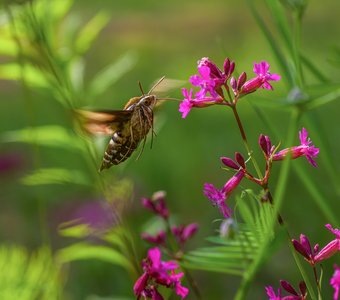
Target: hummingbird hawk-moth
{"points": [[127, 127]]}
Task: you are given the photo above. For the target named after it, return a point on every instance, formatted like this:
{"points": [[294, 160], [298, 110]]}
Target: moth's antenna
{"points": [[141, 88], [156, 84], [169, 99]]}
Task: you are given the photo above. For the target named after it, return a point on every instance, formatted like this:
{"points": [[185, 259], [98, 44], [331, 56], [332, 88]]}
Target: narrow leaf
{"points": [[55, 176], [84, 251], [90, 31], [110, 74], [48, 135]]}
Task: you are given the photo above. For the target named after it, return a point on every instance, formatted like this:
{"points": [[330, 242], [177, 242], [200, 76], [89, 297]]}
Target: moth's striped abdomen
{"points": [[118, 150]]}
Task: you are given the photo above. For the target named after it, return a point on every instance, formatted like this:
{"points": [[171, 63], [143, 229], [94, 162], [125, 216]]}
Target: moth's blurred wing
{"points": [[103, 122], [163, 86]]}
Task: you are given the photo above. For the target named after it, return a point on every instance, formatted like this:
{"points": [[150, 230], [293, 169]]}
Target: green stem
{"points": [[296, 49], [282, 183], [317, 283], [31, 122], [245, 141]]}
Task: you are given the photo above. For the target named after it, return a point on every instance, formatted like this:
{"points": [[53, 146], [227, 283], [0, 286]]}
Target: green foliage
{"points": [[48, 135], [115, 248], [27, 277], [55, 176], [236, 253]]}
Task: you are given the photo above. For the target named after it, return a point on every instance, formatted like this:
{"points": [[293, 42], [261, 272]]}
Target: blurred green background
{"points": [[168, 38]]}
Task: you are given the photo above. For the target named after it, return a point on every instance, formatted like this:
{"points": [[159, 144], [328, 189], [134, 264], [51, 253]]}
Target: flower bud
{"points": [[265, 144], [233, 84], [239, 158], [251, 85], [241, 80], [303, 287], [229, 163], [288, 287], [299, 248], [226, 66], [231, 69]]}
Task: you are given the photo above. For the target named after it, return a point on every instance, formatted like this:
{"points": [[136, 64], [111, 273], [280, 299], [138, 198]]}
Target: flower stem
{"points": [[173, 246], [317, 283], [245, 141], [192, 283]]}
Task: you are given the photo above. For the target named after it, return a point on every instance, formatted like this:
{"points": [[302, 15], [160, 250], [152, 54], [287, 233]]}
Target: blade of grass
{"points": [[273, 44]]}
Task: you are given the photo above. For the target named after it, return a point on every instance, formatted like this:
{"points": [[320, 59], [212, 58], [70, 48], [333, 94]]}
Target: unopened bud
{"points": [[239, 158], [241, 80], [229, 163]]}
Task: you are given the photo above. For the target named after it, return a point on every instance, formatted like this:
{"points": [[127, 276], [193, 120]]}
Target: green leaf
{"points": [[110, 74], [29, 73], [83, 251], [324, 99], [68, 229], [8, 47], [316, 195], [55, 176], [279, 18], [90, 31], [28, 277], [48, 135]]}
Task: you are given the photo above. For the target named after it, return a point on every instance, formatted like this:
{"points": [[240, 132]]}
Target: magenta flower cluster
{"points": [[213, 83], [158, 272], [314, 255], [294, 294], [218, 197], [181, 233]]}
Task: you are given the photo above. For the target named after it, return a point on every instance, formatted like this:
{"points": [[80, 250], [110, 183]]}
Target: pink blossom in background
{"points": [[158, 239], [335, 282], [183, 233], [157, 204]]}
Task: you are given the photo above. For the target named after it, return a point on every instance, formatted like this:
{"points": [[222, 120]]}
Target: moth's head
{"points": [[148, 101]]}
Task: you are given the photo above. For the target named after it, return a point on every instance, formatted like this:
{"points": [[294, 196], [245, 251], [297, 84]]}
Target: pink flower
{"points": [[335, 282], [188, 103], [305, 149], [179, 289], [271, 293], [313, 256], [205, 82], [157, 204], [304, 248], [331, 248], [218, 197], [211, 78], [183, 233], [262, 79], [157, 272], [158, 239]]}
